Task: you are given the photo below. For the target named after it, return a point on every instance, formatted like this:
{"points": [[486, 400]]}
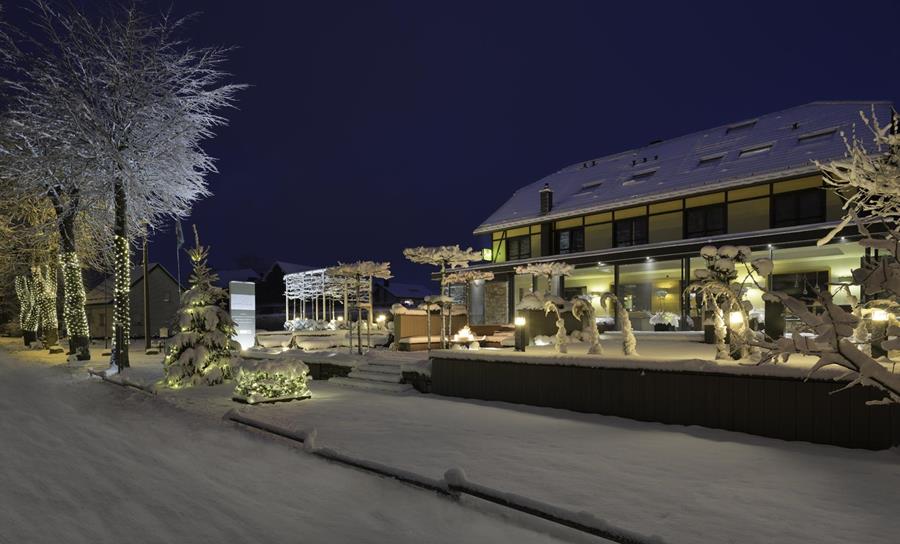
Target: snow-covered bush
{"points": [[202, 348], [272, 381], [629, 342], [583, 311]]}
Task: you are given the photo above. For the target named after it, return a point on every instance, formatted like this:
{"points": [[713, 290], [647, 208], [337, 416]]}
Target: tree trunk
{"points": [[122, 289], [73, 293], [358, 318]]}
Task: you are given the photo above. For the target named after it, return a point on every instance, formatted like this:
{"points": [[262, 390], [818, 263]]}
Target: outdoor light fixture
{"points": [[600, 263], [736, 319], [520, 333], [381, 318], [340, 318], [487, 254]]}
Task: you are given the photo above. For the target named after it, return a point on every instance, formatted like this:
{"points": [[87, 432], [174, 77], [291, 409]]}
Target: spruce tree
{"points": [[202, 347]]}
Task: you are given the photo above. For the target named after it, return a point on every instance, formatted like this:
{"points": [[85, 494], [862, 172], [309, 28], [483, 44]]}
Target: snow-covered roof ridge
{"points": [[786, 142]]}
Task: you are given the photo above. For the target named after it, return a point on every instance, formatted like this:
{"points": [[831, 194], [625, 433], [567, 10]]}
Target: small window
{"points": [[518, 248], [740, 126], [818, 136], [709, 161], [570, 241], [753, 151], [704, 221], [630, 232]]}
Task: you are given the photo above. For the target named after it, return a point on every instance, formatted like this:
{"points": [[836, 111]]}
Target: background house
{"points": [[164, 302]]}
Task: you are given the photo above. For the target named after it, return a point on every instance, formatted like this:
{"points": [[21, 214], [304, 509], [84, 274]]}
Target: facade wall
{"points": [[747, 209]]}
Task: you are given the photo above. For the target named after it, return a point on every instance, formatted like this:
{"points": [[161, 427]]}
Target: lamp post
{"points": [[880, 320], [520, 333]]}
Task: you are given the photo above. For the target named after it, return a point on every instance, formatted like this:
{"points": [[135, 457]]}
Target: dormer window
{"points": [[639, 177], [590, 186]]}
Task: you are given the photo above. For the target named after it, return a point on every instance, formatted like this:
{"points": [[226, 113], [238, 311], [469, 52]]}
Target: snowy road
{"points": [[87, 462]]}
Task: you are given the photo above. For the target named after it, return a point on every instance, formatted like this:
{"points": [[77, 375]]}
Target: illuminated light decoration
{"points": [[121, 302], [381, 319], [271, 384], [879, 315], [464, 335], [28, 310], [201, 351], [520, 322], [74, 315], [736, 319], [44, 283]]}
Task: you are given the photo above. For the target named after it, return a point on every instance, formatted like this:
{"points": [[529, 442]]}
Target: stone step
{"points": [[394, 370], [358, 374], [369, 385]]}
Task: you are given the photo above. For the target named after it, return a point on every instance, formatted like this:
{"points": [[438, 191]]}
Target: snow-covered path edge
{"points": [[455, 483]]}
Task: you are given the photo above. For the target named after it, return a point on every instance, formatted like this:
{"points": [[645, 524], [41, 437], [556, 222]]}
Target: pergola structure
{"points": [[311, 286]]}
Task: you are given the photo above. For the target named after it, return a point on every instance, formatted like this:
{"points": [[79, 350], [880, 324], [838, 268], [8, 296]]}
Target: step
{"points": [[393, 370], [358, 374], [372, 385]]}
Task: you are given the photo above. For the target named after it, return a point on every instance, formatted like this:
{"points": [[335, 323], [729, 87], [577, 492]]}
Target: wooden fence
{"points": [[775, 407]]}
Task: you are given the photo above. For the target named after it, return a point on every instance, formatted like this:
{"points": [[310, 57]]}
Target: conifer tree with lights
{"points": [[201, 350]]}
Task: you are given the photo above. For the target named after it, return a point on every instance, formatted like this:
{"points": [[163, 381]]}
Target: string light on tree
{"points": [[121, 306], [74, 315]]}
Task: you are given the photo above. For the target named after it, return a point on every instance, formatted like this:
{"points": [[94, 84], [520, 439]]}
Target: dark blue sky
{"points": [[373, 126]]}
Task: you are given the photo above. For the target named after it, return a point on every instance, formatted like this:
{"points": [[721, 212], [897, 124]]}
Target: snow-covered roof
{"points": [[774, 145], [238, 274], [102, 293], [288, 268]]}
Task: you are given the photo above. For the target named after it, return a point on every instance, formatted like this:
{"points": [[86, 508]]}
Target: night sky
{"points": [[374, 126]]}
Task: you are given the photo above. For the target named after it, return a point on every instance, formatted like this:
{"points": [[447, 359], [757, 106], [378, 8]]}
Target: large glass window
{"points": [[651, 289], [704, 221], [518, 248], [570, 241], [594, 281], [631, 231], [798, 208]]}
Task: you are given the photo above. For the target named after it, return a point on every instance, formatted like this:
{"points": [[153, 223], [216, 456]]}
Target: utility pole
{"points": [[146, 300]]}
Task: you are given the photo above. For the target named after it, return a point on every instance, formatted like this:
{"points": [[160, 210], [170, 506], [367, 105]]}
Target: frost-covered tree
{"points": [[202, 348], [139, 102], [358, 276], [445, 258], [629, 342], [583, 310], [464, 278], [868, 179], [29, 315], [716, 290]]}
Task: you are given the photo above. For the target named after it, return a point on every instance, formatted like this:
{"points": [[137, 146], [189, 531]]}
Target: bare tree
{"points": [[136, 102]]}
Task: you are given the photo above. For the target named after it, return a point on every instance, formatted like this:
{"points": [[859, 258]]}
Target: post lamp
{"points": [[520, 333], [381, 319], [879, 327]]}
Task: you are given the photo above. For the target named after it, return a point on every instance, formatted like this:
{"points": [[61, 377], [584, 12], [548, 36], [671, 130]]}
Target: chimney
{"points": [[546, 199]]}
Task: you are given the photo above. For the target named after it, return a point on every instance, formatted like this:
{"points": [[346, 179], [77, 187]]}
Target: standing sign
{"points": [[243, 312]]}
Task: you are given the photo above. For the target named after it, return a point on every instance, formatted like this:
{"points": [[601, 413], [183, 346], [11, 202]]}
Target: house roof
{"points": [[102, 293], [288, 268], [778, 144], [237, 274]]}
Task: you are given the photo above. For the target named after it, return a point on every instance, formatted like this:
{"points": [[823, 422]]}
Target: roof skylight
{"points": [[740, 126], [817, 136], [753, 151], [709, 160]]}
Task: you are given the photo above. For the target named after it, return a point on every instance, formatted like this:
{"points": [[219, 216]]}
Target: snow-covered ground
{"points": [[82, 461], [686, 484]]}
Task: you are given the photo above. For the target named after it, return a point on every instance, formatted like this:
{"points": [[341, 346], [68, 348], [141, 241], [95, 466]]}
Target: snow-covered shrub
{"points": [[202, 348], [583, 311], [629, 342]]}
